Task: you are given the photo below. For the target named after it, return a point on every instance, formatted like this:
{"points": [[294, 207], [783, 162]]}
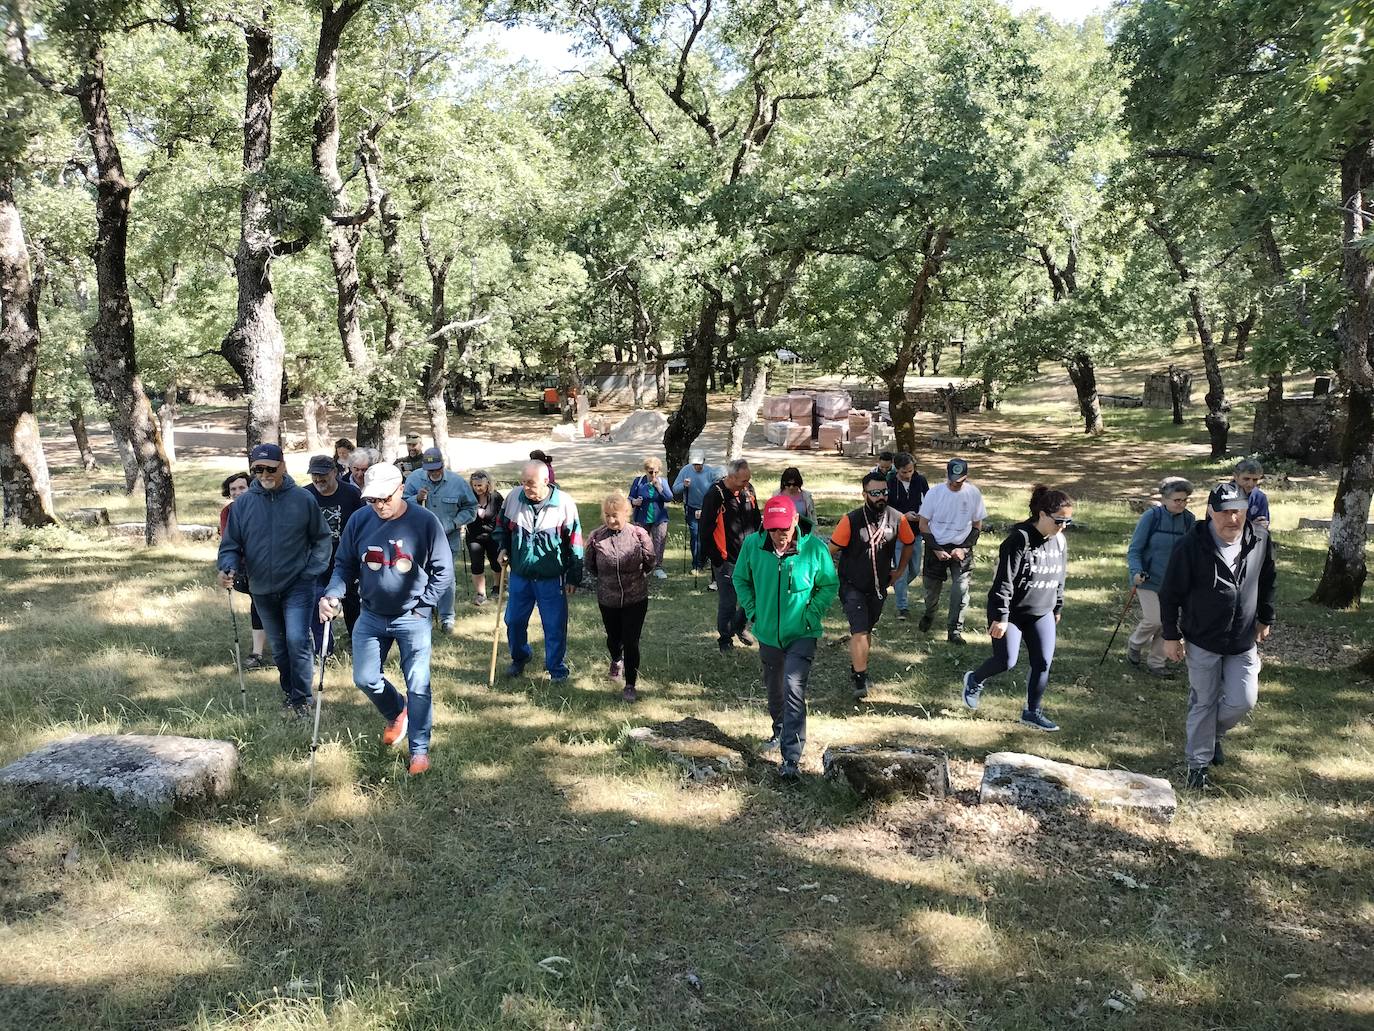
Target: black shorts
{"points": [[861, 608]]}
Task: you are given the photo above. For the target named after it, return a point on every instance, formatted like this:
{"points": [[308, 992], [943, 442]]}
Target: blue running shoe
{"points": [[1037, 719], [971, 690]]}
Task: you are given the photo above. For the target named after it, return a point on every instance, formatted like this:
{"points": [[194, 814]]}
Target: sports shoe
{"points": [[860, 684], [1218, 756], [1133, 656], [711, 585], [771, 745], [302, 711], [1162, 673], [790, 772], [1197, 778], [660, 574], [479, 600], [447, 626], [926, 622], [972, 690], [418, 764], [254, 661], [726, 647], [395, 731], [515, 669], [745, 639], [902, 615], [629, 694], [955, 637], [1037, 719], [617, 671]]}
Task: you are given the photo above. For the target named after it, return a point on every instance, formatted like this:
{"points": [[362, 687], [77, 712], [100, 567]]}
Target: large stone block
{"points": [[882, 771], [1013, 778], [698, 746], [136, 770], [189, 531]]}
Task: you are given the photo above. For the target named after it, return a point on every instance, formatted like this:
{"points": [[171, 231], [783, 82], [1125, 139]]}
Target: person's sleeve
{"points": [[440, 568], [1263, 512], [677, 483], [501, 530], [648, 555], [904, 532], [1173, 592], [321, 543], [982, 512], [1009, 558], [467, 505], [1135, 551], [230, 557], [665, 490], [571, 539], [345, 561], [824, 590], [744, 578], [589, 554], [839, 536], [1265, 612]]}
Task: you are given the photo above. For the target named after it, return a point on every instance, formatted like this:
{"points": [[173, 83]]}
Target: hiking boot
{"points": [[972, 690], [927, 621], [629, 694], [1037, 719], [1133, 656], [726, 647], [515, 669], [418, 764], [617, 671], [902, 615], [860, 684], [1197, 778], [745, 639], [1218, 756], [395, 732], [955, 637], [479, 600], [254, 661], [302, 711], [789, 772], [771, 745], [1162, 673]]}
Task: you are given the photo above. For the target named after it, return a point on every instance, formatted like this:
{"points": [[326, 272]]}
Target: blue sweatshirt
{"points": [[701, 483], [401, 565], [277, 537]]}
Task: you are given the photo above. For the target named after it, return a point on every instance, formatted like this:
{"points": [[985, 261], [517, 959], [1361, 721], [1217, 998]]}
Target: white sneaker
{"points": [[660, 574]]}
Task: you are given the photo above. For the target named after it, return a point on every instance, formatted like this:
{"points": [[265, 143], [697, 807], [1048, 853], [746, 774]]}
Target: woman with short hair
{"points": [[1156, 535], [234, 486], [650, 495], [791, 485], [620, 554]]}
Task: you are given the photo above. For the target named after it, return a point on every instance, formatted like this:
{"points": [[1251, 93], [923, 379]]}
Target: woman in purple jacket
{"points": [[621, 556]]}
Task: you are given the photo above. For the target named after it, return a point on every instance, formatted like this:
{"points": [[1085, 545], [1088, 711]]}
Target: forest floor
{"points": [[391, 903]]}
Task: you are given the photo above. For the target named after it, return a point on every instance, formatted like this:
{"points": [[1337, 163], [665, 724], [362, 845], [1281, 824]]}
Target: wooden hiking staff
{"points": [[496, 631], [1129, 598]]}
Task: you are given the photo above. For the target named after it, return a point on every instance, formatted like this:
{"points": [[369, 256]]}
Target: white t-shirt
{"points": [[951, 513]]}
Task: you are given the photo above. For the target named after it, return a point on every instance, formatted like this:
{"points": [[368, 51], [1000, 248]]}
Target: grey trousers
{"points": [[958, 596], [729, 616], [1222, 689], [785, 672]]}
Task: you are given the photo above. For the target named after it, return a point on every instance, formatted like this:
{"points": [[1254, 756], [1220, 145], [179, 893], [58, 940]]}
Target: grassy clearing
{"points": [[391, 904]]}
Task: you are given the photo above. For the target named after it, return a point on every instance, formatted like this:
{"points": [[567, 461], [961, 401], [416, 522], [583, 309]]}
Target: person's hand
{"points": [[892, 579], [1173, 650], [569, 589], [1056, 617], [1262, 632], [636, 501], [687, 481], [329, 608], [502, 559], [997, 630], [957, 554], [422, 495], [1140, 578], [943, 556]]}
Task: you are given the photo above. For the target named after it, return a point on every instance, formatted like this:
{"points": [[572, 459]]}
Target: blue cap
{"points": [[432, 459], [265, 453]]}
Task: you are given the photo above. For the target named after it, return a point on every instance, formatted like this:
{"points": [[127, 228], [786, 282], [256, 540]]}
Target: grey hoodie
{"points": [[277, 537]]}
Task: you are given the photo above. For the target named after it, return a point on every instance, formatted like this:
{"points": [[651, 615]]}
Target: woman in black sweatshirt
{"points": [[1024, 602]]}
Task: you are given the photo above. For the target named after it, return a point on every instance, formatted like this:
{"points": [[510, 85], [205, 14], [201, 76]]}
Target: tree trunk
{"points": [[640, 329], [23, 471], [754, 377], [110, 356], [1084, 376], [1243, 330], [316, 414], [1176, 393], [128, 458], [686, 424], [255, 347], [434, 384], [167, 421], [900, 409], [384, 406], [661, 392], [1344, 573], [83, 440]]}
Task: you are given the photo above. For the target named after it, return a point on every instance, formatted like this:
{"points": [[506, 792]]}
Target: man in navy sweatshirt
{"points": [[399, 555], [278, 536]]}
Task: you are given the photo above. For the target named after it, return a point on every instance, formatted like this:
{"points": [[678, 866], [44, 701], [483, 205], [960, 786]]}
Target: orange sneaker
{"points": [[419, 764], [395, 731]]}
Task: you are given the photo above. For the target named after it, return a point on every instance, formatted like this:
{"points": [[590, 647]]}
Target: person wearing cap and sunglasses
{"points": [[338, 501], [785, 581], [864, 544], [1218, 594], [453, 503], [278, 536], [399, 556], [1025, 601], [951, 518]]}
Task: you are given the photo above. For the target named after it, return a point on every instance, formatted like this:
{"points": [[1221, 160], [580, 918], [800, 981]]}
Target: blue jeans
{"points": [[913, 570], [373, 635], [694, 534], [286, 619], [445, 607], [522, 595], [785, 673]]}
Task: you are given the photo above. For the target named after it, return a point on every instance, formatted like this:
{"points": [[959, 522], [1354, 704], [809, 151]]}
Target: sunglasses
{"points": [[877, 493], [258, 470], [1065, 521]]}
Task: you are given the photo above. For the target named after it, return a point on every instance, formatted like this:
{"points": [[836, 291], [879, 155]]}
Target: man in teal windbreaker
{"points": [[786, 581]]}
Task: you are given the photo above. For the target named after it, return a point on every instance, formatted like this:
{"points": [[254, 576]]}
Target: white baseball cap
{"points": [[698, 458], [381, 481]]}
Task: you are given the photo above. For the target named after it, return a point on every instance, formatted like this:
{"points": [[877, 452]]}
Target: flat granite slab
{"points": [[1014, 778], [701, 748], [883, 771], [141, 771]]}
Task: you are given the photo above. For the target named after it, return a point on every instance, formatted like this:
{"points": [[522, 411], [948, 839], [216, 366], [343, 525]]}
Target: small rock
{"points": [[700, 747], [884, 771], [1013, 778], [88, 516]]}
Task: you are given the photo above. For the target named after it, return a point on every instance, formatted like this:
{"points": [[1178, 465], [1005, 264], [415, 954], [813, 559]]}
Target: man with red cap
{"points": [[785, 582]]}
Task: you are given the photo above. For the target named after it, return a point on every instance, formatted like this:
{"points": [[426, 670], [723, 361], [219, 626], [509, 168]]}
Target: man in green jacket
{"points": [[786, 581]]}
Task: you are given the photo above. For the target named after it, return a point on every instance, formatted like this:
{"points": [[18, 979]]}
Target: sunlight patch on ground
{"points": [[667, 803]]}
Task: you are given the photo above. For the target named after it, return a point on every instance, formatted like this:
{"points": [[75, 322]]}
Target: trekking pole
{"points": [[319, 703], [238, 661], [1129, 598], [496, 631]]}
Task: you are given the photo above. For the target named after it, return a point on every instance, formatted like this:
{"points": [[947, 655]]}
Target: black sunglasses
{"points": [[877, 493], [259, 469], [1065, 521]]}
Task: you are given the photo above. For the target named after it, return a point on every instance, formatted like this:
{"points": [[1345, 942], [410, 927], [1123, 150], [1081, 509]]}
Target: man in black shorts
{"points": [[863, 544]]}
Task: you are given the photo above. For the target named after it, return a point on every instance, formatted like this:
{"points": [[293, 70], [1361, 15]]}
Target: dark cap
{"points": [[956, 469], [432, 459], [321, 464], [265, 453], [1227, 497]]}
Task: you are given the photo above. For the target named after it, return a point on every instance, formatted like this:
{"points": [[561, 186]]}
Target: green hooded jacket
{"points": [[785, 598]]}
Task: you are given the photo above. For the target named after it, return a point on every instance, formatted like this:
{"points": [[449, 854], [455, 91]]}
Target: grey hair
{"points": [[1174, 485], [480, 476], [541, 469], [735, 466], [372, 455], [1250, 465], [902, 459]]}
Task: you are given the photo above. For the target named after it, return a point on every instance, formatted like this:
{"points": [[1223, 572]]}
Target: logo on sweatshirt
{"points": [[375, 558]]}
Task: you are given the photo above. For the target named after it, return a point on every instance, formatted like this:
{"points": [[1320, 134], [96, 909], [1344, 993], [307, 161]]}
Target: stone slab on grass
{"points": [[141, 771], [698, 746], [1323, 524], [88, 517], [884, 771], [1014, 778], [190, 531]]}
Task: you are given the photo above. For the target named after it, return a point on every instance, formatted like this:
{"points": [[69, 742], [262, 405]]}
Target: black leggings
{"points": [[623, 627], [1039, 635], [479, 549]]}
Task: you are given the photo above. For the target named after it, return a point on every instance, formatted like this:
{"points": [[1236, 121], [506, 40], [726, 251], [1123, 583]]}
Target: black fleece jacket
{"points": [[1210, 605], [1029, 581]]}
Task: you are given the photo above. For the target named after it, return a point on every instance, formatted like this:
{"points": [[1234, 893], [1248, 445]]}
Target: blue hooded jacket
{"points": [[277, 537], [1154, 540]]}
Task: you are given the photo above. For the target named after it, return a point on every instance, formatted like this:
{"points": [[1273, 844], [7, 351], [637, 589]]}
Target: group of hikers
{"points": [[375, 541]]}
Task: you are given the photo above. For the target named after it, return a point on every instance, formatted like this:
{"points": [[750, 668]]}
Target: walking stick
{"points": [[238, 661], [496, 631], [1129, 598], [319, 702]]}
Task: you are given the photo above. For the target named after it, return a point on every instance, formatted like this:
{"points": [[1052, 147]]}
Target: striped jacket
{"points": [[544, 540]]}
